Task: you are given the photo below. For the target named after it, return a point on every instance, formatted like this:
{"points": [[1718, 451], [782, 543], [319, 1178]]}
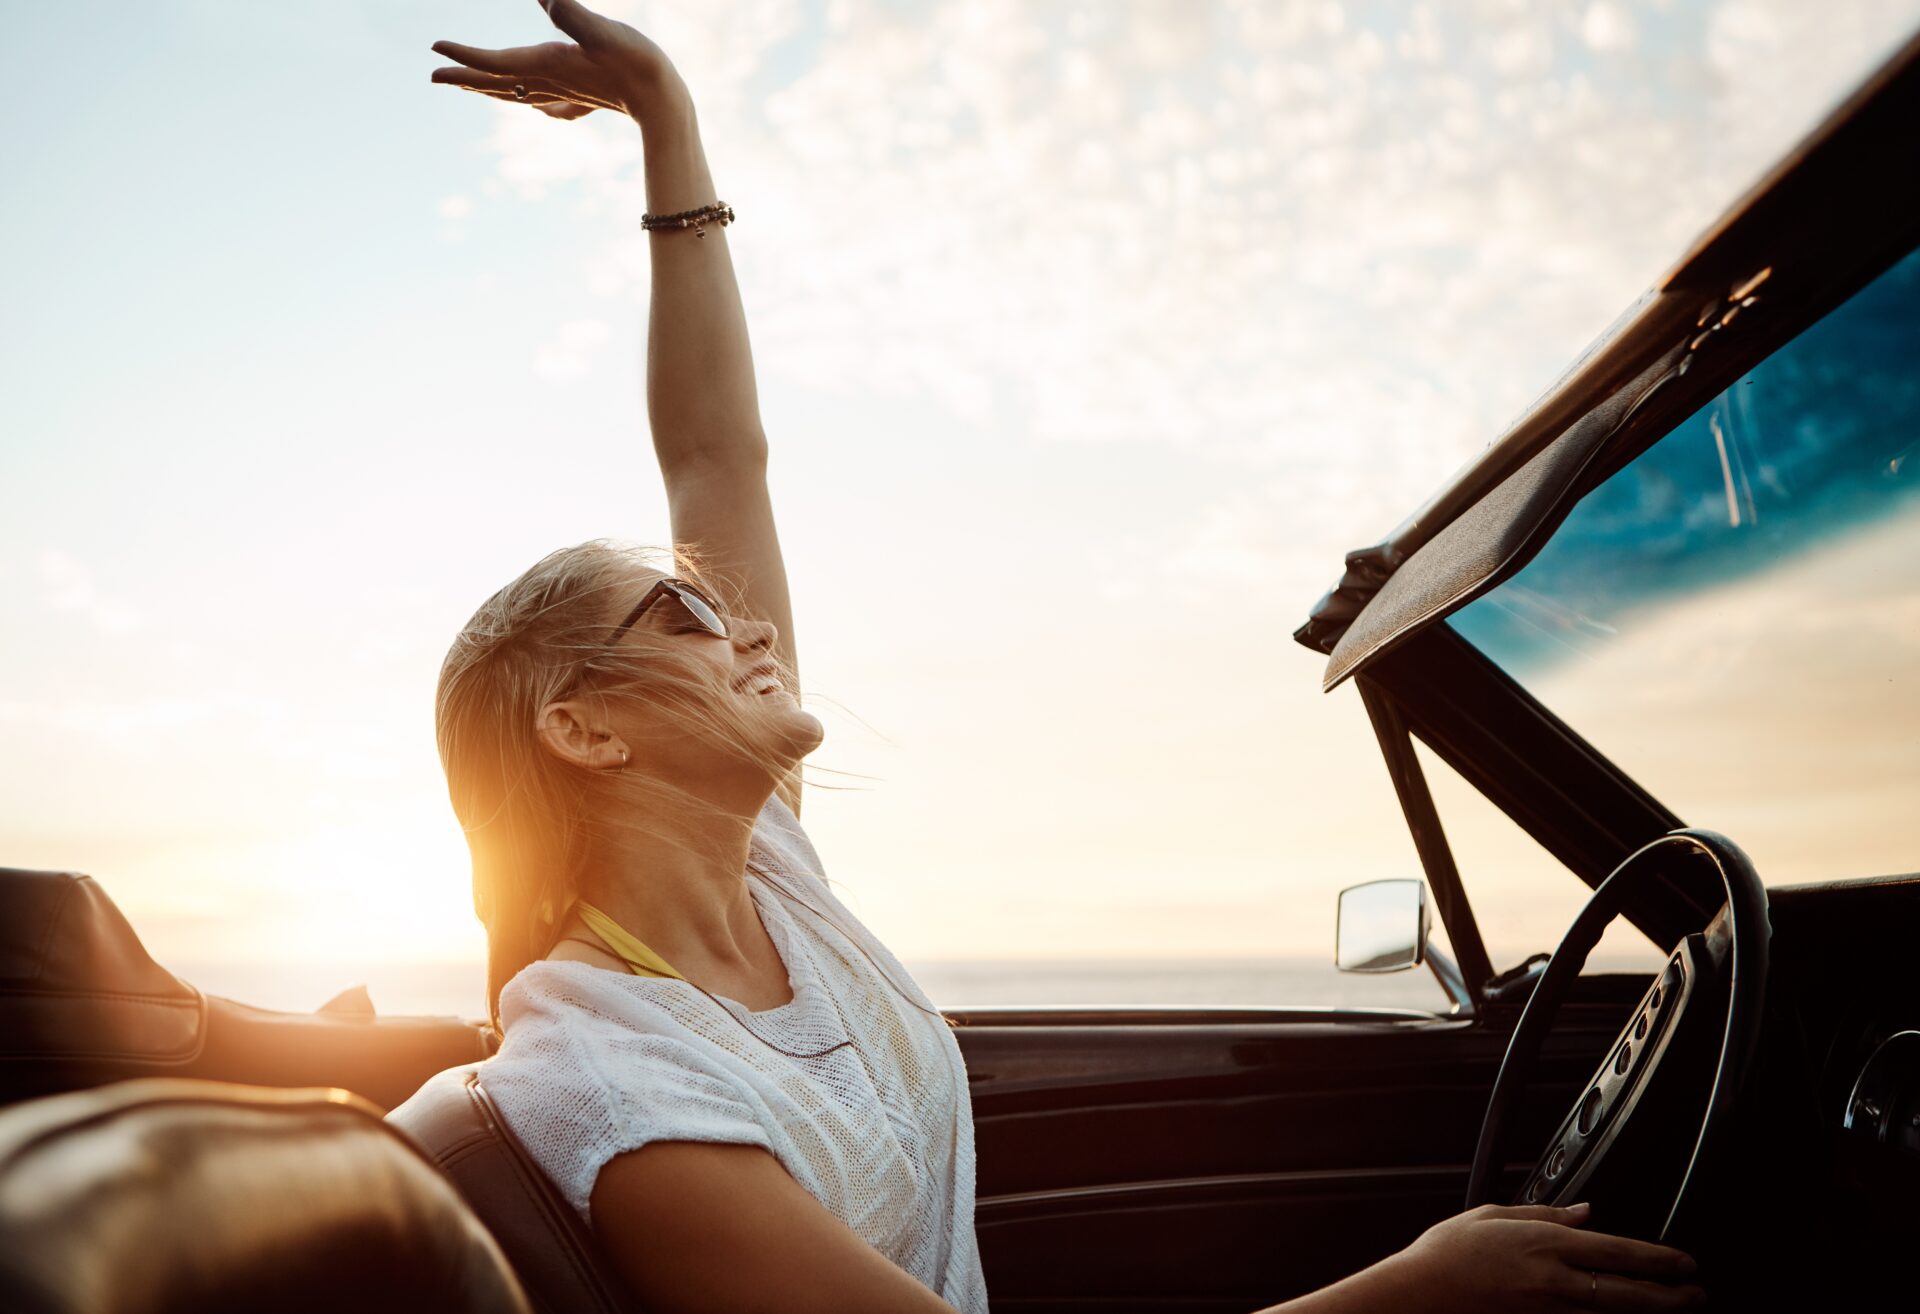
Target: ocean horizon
{"points": [[459, 988]]}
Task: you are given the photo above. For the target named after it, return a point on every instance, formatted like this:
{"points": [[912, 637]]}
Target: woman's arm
{"points": [[701, 400], [724, 1228]]}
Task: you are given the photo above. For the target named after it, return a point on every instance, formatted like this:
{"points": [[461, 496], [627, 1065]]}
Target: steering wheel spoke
{"points": [[1606, 1104]]}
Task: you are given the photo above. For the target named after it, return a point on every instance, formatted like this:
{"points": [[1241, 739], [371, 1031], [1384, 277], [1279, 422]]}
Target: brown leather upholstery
{"points": [[82, 1003], [156, 1196], [555, 1254]]}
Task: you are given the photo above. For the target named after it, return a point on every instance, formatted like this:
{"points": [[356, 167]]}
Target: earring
{"points": [[623, 760]]}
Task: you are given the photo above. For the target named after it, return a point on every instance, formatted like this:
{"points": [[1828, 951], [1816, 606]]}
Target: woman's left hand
{"points": [[607, 65]]}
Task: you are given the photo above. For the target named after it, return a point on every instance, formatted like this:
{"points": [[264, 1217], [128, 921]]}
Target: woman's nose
{"points": [[757, 635]]}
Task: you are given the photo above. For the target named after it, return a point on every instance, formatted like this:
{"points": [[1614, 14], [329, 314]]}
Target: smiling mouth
{"points": [[761, 680]]}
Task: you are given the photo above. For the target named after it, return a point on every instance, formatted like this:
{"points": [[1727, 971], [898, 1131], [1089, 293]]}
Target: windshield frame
{"points": [[1834, 214]]}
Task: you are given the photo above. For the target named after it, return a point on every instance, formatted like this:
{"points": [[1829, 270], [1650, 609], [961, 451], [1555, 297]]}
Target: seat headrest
{"points": [[163, 1195], [75, 981]]}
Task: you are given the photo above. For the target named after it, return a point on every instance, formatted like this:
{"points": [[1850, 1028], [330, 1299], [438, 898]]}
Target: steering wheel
{"points": [[1695, 1029]]}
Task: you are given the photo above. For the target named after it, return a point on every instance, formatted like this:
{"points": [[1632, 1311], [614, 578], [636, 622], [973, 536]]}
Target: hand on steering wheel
{"points": [[1536, 1259]]}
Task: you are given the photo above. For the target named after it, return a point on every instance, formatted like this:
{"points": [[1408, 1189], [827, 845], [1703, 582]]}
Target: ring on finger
{"points": [[1593, 1290], [519, 91]]}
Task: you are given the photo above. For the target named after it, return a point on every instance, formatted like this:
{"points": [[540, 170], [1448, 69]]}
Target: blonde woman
{"points": [[740, 1090]]}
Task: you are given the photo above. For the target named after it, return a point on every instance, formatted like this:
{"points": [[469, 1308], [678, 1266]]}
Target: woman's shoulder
{"points": [[552, 1003], [573, 1024]]}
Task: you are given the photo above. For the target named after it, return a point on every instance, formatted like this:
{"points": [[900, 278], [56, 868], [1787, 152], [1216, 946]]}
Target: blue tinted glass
{"points": [[1734, 618]]}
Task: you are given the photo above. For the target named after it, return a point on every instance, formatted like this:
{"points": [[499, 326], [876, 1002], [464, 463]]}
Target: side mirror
{"points": [[1383, 926]]}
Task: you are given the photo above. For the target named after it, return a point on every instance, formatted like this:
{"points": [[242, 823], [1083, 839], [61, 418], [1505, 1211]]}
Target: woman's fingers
{"points": [[537, 88], [553, 106], [579, 22], [515, 59], [557, 66], [1609, 1291], [607, 65], [631, 57], [1569, 1216], [1619, 1254], [534, 98], [474, 80]]}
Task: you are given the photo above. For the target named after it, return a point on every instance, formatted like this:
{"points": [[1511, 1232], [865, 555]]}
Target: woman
{"points": [[755, 1107]]}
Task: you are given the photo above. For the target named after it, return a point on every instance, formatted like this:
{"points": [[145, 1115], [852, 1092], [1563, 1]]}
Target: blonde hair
{"points": [[533, 820]]}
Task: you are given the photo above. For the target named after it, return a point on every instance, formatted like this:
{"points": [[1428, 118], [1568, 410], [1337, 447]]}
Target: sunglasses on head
{"points": [[691, 609]]}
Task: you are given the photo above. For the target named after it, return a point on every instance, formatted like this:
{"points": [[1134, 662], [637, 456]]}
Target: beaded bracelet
{"points": [[696, 219]]}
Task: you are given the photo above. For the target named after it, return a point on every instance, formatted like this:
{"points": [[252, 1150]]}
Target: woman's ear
{"points": [[575, 731]]}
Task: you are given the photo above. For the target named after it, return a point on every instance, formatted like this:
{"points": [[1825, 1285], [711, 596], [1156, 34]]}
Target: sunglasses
{"points": [[691, 609]]}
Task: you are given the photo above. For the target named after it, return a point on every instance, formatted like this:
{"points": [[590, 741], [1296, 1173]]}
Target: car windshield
{"points": [[1734, 617]]}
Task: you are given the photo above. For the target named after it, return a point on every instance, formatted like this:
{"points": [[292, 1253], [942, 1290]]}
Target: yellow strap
{"points": [[642, 960]]}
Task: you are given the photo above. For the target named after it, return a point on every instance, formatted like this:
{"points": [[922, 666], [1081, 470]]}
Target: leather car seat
{"points": [[161, 1196], [82, 1003], [562, 1266]]}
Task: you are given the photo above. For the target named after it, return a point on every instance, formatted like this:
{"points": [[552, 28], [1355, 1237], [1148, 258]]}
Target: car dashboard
{"points": [[1817, 1197]]}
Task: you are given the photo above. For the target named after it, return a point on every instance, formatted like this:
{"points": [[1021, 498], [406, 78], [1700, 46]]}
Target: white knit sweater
{"points": [[597, 1062]]}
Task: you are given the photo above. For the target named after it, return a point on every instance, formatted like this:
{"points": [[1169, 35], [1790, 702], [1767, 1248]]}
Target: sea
{"points": [[459, 989]]}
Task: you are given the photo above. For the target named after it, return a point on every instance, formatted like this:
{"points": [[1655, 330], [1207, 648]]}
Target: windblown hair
{"points": [[532, 820]]}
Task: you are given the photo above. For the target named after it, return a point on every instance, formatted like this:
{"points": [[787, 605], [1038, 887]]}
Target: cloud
{"points": [[569, 354], [71, 588], [179, 721], [283, 742], [455, 207], [535, 153], [1341, 256], [1608, 28]]}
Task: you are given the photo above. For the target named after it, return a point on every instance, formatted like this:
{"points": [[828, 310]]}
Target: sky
{"points": [[1089, 338]]}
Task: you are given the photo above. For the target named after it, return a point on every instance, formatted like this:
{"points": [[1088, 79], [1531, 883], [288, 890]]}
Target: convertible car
{"points": [[1668, 624]]}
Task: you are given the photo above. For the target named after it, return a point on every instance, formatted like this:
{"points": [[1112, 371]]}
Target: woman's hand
{"points": [[1537, 1258], [607, 65]]}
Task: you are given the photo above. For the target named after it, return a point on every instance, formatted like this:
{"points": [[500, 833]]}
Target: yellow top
{"points": [[640, 959]]}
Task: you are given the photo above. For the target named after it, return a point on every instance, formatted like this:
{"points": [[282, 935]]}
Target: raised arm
{"points": [[701, 400]]}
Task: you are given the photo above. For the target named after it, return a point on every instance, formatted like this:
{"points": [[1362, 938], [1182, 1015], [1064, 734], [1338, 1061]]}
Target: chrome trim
{"points": [[1451, 979], [1181, 1014]]}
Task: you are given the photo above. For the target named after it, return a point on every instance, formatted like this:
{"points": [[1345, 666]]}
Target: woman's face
{"points": [[739, 669]]}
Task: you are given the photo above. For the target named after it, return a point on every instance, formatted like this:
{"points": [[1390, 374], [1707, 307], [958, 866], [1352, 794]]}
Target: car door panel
{"points": [[1177, 1160]]}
